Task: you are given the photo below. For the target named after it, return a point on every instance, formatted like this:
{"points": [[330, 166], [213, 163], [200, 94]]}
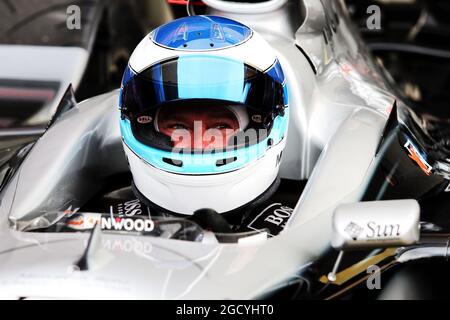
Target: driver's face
{"points": [[213, 126]]}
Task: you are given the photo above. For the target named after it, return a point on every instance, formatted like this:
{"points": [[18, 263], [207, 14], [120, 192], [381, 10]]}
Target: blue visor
{"points": [[190, 81], [204, 77]]}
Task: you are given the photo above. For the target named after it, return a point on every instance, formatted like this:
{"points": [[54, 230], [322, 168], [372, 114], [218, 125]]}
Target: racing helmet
{"points": [[204, 115]]}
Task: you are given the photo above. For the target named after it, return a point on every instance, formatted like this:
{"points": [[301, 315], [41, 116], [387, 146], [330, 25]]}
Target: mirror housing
{"points": [[376, 224]]}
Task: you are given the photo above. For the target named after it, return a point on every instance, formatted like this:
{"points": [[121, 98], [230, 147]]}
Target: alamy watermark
{"points": [[73, 17], [373, 282], [211, 141], [373, 21]]}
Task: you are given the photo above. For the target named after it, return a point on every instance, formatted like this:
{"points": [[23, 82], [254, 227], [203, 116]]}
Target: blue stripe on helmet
{"points": [[128, 74], [276, 72], [158, 83], [204, 163], [286, 95]]}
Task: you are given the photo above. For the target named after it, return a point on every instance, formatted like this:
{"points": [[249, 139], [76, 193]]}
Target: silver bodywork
{"points": [[64, 65], [376, 224], [338, 104]]}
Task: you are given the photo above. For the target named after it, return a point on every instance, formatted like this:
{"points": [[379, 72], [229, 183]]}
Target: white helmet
{"points": [[203, 115]]}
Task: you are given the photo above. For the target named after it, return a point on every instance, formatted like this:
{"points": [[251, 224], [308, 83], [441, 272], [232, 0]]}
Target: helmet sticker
{"points": [[144, 119], [257, 118]]}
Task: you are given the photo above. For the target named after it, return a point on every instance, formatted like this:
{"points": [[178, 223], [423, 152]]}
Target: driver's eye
{"points": [[221, 126], [178, 126]]}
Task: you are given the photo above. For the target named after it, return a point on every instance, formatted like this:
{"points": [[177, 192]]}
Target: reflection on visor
{"points": [[198, 127]]}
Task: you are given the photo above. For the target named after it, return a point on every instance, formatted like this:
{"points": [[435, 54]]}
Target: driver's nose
{"points": [[200, 140]]}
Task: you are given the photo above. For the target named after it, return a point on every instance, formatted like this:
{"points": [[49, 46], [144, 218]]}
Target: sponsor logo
{"points": [[84, 221], [87, 221], [257, 118], [129, 208], [144, 119], [274, 218], [353, 230], [373, 231], [278, 161], [127, 224], [415, 155], [382, 230]]}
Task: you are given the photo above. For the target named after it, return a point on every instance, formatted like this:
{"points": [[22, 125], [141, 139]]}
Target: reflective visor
{"points": [[207, 87]]}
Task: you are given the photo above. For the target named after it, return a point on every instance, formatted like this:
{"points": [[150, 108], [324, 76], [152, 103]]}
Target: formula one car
{"points": [[364, 182]]}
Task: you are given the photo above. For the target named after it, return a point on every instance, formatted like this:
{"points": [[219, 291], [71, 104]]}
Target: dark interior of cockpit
{"points": [[413, 44]]}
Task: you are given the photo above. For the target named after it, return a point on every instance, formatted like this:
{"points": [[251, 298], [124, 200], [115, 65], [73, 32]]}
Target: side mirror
{"points": [[377, 224]]}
